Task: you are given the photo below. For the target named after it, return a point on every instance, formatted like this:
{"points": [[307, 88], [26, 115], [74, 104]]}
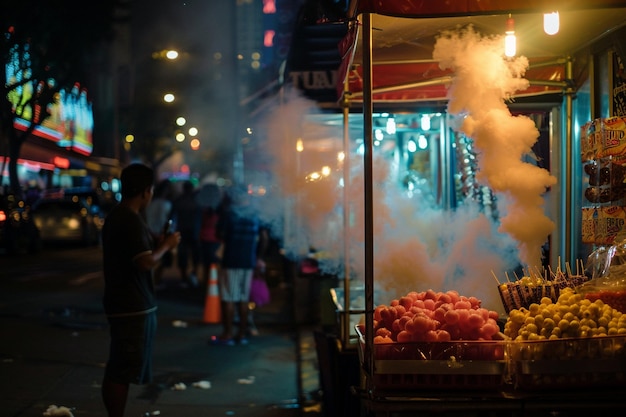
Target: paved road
{"points": [[54, 343]]}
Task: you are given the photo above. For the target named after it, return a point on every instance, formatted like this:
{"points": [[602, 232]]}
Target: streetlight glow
{"points": [[171, 54], [169, 98], [193, 131], [195, 144], [181, 121], [180, 137]]}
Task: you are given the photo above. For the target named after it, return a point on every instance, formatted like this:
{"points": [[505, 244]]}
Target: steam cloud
{"points": [[417, 246], [483, 81]]}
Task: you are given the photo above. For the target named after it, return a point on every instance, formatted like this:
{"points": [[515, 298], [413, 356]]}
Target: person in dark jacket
{"points": [[238, 228]]}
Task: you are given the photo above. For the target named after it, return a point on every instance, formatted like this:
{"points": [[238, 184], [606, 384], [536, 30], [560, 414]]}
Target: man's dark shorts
{"points": [[130, 357]]}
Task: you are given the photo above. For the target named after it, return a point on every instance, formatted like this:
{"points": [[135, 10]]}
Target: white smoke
{"points": [[417, 246], [483, 80]]}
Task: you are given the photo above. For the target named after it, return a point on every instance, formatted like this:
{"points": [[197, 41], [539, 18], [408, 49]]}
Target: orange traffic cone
{"points": [[212, 300]]}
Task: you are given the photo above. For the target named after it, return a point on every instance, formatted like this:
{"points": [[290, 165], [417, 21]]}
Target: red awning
{"points": [[405, 31], [426, 81], [439, 8]]}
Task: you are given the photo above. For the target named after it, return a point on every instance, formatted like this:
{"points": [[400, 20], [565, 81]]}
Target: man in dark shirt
{"points": [[129, 256]]}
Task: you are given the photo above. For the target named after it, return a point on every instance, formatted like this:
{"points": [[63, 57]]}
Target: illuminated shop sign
{"points": [[70, 124]]}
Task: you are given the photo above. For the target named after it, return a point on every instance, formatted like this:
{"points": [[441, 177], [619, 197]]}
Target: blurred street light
{"points": [[170, 54]]}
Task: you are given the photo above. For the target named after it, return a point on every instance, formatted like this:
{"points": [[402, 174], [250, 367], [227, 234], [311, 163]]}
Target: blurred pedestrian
{"points": [[209, 242], [129, 256], [187, 217], [238, 228], [158, 217]]}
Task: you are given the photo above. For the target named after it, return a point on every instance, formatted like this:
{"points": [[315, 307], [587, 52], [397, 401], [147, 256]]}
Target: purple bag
{"points": [[259, 292]]}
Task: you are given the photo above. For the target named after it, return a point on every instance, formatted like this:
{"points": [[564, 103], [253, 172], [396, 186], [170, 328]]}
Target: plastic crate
{"points": [[568, 363], [437, 366]]}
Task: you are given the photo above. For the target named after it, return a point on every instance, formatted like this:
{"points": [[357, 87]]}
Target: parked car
{"points": [[18, 232], [68, 219]]}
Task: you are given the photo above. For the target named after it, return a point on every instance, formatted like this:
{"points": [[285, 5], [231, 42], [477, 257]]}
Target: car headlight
{"points": [[73, 223]]}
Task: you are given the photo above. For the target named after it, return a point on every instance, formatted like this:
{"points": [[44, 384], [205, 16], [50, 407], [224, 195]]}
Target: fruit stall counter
{"points": [[440, 352]]}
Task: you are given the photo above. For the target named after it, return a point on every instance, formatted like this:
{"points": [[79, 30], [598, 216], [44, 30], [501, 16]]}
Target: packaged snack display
{"points": [[603, 153]]}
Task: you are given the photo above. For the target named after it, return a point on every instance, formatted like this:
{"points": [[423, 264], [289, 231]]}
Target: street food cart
{"points": [[495, 375]]}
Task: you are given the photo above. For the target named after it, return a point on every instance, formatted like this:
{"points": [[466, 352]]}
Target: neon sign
{"points": [[70, 123]]}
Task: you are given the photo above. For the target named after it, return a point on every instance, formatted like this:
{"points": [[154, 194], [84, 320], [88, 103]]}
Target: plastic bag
{"points": [[259, 291]]}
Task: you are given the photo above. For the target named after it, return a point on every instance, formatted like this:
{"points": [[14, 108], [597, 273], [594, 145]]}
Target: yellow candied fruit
{"points": [[546, 312], [517, 316], [621, 330], [575, 298], [588, 322], [548, 323], [546, 300], [533, 309], [585, 313], [531, 328]]}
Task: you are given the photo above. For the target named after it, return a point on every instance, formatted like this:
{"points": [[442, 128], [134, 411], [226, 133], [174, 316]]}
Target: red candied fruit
{"points": [[616, 299]]}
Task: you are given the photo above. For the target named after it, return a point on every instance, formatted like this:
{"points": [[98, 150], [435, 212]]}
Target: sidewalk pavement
{"points": [[61, 360]]}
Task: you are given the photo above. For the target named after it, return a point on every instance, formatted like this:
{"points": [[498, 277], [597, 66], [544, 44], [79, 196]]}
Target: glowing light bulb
{"points": [[510, 47], [551, 23], [422, 142], [391, 126], [425, 122]]}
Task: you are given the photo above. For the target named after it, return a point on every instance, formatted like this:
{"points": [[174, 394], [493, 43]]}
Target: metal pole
{"points": [[569, 97], [345, 319], [368, 111]]}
